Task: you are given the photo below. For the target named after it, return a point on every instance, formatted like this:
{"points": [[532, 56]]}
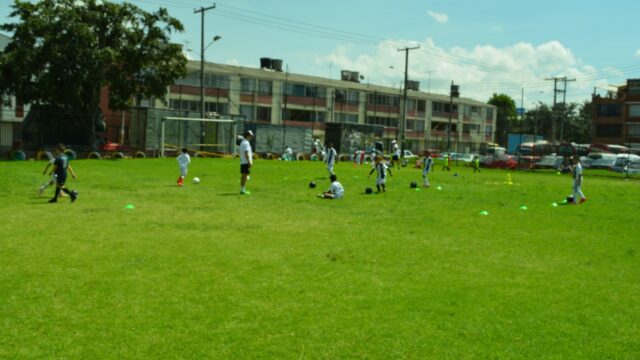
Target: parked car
{"points": [[623, 160], [466, 159], [586, 161], [603, 163], [550, 162], [633, 168], [499, 161], [409, 155]]}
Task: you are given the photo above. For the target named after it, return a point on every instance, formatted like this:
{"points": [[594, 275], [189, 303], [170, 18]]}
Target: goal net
{"points": [[213, 137]]}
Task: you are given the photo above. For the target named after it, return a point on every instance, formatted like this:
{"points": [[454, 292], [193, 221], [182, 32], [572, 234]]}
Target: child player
{"points": [[381, 169], [427, 165], [330, 158], [336, 191], [183, 161], [60, 168], [577, 181], [52, 179]]}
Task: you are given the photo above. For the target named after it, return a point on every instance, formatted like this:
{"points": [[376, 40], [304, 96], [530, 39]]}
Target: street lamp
{"points": [[203, 48]]}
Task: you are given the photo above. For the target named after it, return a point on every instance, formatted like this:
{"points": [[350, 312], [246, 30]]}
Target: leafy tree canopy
{"points": [[506, 113], [64, 51]]}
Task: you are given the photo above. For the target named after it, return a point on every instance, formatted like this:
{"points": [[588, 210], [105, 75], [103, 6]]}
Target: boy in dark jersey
{"points": [[60, 168]]}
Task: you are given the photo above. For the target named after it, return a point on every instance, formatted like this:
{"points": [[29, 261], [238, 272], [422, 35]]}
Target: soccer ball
{"points": [[196, 180], [413, 185], [312, 184], [368, 190]]}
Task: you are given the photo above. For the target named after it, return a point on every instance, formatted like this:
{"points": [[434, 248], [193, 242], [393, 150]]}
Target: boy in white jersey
{"points": [[183, 162], [577, 181], [381, 169], [330, 158], [246, 161], [427, 166], [336, 191]]}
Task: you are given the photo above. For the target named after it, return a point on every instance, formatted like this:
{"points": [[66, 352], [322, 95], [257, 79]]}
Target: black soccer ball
{"points": [[368, 190], [312, 185], [413, 185]]}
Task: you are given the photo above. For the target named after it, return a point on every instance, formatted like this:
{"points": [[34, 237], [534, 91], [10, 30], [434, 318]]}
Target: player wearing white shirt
{"points": [[381, 169], [246, 160], [577, 182], [183, 162], [427, 166], [330, 159], [395, 156], [336, 191]]}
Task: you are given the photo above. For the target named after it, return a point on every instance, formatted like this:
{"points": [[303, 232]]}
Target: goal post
{"points": [[215, 136]]}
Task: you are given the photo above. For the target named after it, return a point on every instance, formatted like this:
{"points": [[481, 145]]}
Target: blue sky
{"points": [[484, 46]]}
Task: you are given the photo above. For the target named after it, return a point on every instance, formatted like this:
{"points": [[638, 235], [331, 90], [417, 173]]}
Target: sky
{"points": [[485, 47]]}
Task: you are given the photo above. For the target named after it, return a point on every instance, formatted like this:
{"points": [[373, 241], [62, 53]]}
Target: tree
{"points": [[505, 117], [63, 52]]}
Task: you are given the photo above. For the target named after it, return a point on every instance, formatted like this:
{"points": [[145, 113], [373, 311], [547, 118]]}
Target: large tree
{"points": [[63, 52], [505, 116]]}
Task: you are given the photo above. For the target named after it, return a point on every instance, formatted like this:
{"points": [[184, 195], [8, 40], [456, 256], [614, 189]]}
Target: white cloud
{"points": [[480, 71], [439, 17], [638, 53]]}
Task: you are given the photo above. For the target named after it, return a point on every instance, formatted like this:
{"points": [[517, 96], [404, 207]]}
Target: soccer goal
{"points": [[205, 136]]}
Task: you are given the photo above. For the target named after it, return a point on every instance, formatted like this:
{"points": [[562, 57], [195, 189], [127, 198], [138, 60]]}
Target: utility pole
{"points": [[554, 110], [454, 92], [564, 107], [202, 10], [404, 101]]}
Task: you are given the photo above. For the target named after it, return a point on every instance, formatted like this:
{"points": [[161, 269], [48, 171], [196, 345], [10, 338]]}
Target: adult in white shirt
{"points": [[246, 160], [395, 154], [336, 191], [577, 181], [330, 158]]}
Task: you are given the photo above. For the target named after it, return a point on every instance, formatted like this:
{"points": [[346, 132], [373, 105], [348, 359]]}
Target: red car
{"points": [[499, 162]]}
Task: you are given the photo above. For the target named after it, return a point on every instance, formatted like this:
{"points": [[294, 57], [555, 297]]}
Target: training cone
{"points": [[129, 206], [508, 182], [554, 204], [438, 187], [524, 207], [484, 212]]}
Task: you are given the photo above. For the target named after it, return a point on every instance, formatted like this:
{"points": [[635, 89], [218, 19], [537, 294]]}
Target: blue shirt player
{"points": [[60, 169]]}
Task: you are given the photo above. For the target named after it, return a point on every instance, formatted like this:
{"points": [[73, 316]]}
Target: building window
{"points": [[489, 114], [303, 115], [263, 113], [609, 130], [247, 112], [488, 130], [422, 105], [247, 86], [265, 87], [634, 110], [609, 110], [346, 118], [415, 125], [305, 91], [379, 99], [634, 130], [382, 120], [633, 87]]}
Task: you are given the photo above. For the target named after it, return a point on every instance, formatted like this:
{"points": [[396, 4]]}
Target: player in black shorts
{"points": [[60, 168]]}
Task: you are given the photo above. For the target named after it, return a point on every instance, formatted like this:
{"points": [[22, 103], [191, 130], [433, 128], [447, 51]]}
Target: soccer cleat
{"points": [[74, 195], [40, 191], [53, 200], [583, 200], [245, 192]]}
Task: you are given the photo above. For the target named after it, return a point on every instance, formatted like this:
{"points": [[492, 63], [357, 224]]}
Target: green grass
{"points": [[202, 272]]}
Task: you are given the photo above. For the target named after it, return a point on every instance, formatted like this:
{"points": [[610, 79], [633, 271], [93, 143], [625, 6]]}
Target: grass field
{"points": [[202, 272]]}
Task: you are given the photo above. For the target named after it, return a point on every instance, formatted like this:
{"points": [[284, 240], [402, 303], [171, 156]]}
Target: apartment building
{"points": [[616, 117], [12, 112], [268, 95]]}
